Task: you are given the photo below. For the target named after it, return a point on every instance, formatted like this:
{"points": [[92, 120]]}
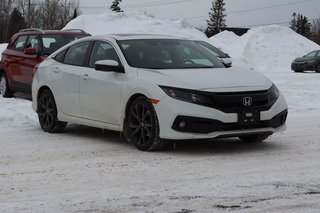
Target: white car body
{"points": [[95, 98]]}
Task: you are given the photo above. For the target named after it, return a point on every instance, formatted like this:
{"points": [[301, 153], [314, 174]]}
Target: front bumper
{"points": [[304, 66], [204, 122]]}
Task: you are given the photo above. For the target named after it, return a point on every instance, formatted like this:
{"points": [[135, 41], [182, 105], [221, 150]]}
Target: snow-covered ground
{"points": [[88, 170]]}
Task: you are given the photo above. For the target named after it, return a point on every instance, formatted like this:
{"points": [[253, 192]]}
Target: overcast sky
{"points": [[240, 13]]}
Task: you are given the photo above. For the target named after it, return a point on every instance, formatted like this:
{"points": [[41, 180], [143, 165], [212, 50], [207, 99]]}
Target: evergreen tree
{"points": [[301, 25], [216, 17], [16, 23], [75, 13], [293, 23], [115, 6]]}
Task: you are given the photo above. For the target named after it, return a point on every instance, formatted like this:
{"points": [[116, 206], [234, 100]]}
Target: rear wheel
{"points": [[254, 138], [143, 126], [318, 68], [4, 87], [47, 113]]}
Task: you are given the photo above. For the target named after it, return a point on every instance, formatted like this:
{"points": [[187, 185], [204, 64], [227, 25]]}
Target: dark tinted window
{"points": [[51, 43], [59, 57], [102, 51], [167, 54], [76, 54], [20, 43]]}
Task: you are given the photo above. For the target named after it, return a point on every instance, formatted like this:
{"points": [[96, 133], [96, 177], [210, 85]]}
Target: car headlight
{"points": [[186, 95], [273, 94]]}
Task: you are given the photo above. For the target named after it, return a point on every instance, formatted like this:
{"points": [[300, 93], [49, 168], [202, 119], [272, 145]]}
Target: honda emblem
{"points": [[247, 101]]}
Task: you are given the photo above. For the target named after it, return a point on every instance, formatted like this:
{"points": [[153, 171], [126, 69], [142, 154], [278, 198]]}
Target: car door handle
{"points": [[86, 77], [56, 70]]}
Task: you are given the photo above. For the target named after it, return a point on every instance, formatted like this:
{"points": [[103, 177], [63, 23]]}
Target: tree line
{"points": [[49, 14], [55, 14]]}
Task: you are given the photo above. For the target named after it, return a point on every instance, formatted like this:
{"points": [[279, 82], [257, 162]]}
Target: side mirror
{"points": [[108, 66], [30, 51]]}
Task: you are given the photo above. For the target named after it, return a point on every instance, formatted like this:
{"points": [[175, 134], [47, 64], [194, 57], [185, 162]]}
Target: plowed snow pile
{"points": [[137, 22], [268, 48]]}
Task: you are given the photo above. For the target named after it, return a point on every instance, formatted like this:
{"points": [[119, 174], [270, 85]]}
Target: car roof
{"points": [[52, 32], [141, 36]]}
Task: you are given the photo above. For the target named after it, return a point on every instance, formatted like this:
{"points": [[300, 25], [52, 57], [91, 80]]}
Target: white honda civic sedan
{"points": [[152, 88]]}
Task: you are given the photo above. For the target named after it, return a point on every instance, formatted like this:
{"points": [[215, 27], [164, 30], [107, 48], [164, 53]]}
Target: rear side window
{"points": [[60, 56], [76, 54], [20, 43]]}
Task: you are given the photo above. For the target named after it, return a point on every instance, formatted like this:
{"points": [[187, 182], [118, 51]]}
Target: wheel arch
{"points": [[40, 90]]}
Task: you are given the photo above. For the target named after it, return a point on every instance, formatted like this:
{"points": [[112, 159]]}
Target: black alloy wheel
{"points": [[4, 87], [254, 138], [47, 113], [143, 126]]}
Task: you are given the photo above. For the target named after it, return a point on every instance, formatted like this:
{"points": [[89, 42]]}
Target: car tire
{"points": [[143, 125], [254, 138], [4, 87], [298, 70], [47, 113], [318, 68]]}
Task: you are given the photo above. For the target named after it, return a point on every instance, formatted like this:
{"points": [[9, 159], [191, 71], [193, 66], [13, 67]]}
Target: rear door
{"points": [[66, 77], [12, 59]]}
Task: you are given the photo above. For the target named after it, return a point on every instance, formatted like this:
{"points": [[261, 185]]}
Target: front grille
{"points": [[233, 102]]}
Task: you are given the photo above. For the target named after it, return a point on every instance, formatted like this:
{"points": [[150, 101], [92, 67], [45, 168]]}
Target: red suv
{"points": [[25, 51]]}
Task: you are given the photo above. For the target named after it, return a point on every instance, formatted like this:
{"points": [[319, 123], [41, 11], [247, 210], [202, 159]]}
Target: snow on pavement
{"points": [[87, 170], [84, 170]]}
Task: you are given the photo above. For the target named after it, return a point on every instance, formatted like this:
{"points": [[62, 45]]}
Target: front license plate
{"points": [[248, 117]]}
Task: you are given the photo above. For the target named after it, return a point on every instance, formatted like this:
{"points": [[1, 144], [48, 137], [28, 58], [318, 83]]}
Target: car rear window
{"points": [[51, 43]]}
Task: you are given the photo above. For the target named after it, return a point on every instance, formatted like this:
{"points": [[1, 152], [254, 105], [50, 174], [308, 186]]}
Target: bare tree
{"points": [[315, 30]]}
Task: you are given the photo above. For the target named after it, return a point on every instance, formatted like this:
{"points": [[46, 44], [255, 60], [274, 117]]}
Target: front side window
{"points": [[33, 42], [102, 51], [167, 54], [76, 54], [20, 43]]}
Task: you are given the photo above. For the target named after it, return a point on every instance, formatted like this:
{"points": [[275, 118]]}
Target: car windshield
{"points": [[167, 54], [311, 54], [53, 42], [213, 50]]}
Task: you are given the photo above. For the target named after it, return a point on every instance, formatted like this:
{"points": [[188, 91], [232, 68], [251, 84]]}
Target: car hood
{"points": [[218, 79], [303, 59]]}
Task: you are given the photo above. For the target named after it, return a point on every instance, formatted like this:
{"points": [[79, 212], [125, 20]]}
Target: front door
{"points": [[100, 91]]}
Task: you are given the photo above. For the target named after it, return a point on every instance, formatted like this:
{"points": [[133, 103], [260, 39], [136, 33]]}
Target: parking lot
{"points": [[89, 170]]}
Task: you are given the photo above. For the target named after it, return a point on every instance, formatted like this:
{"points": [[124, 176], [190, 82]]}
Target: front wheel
{"points": [[143, 126], [254, 138], [4, 87], [47, 113]]}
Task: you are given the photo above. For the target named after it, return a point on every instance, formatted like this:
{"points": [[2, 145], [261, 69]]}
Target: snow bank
{"points": [[267, 48], [133, 22], [230, 42], [2, 48]]}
